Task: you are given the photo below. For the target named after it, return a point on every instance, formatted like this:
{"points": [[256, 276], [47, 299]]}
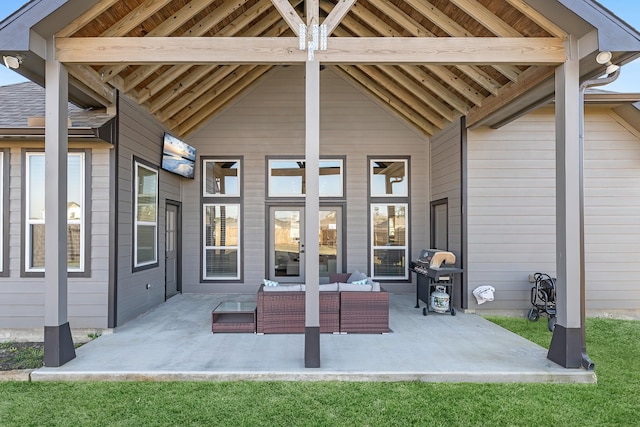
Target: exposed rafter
{"points": [[187, 60]]}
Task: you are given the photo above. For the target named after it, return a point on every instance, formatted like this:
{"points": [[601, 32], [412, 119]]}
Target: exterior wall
{"points": [[511, 210], [22, 298], [446, 181], [269, 121], [141, 136]]}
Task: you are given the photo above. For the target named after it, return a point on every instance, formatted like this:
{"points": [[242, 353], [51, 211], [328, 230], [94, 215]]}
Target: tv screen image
{"points": [[178, 157]]}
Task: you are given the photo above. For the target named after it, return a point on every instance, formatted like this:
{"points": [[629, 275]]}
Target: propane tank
{"points": [[440, 300]]}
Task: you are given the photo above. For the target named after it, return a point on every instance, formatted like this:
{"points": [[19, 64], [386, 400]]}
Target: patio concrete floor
{"points": [[173, 342]]}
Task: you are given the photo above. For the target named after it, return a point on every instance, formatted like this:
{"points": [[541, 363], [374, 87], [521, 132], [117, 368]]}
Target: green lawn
{"points": [[614, 346]]}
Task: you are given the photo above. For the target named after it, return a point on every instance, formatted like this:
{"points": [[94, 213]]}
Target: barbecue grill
{"points": [[433, 268]]}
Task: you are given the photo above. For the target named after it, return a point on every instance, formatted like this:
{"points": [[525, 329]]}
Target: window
{"points": [[221, 241], [389, 218], [221, 218], [389, 240], [287, 178], [35, 212], [221, 178], [145, 233], [389, 178]]}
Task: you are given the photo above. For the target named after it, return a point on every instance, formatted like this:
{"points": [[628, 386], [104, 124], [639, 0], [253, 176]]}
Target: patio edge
{"points": [[571, 377]]}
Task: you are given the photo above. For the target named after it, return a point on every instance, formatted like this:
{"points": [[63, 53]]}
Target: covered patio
{"points": [[173, 342], [431, 64]]}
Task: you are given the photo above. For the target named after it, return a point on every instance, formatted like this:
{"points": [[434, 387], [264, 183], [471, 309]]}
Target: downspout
{"points": [[586, 362]]}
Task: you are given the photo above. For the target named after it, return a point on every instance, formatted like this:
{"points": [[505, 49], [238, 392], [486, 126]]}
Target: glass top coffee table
{"points": [[234, 316]]}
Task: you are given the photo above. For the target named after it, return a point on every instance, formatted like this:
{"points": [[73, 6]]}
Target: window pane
{"points": [[146, 239], [221, 263], [75, 187], [146, 216], [389, 178], [37, 246], [73, 246], [147, 190], [221, 222], [328, 239], [36, 186], [330, 178], [389, 262], [35, 208], [287, 178], [389, 225], [222, 178]]}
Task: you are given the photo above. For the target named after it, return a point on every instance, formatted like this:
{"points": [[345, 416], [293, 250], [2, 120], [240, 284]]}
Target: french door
{"points": [[287, 243]]}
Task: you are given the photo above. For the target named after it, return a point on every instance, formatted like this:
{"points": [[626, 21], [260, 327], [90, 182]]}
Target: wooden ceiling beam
{"points": [[412, 94], [538, 18], [282, 50], [482, 78], [135, 18], [88, 77], [206, 94], [439, 18], [454, 29], [445, 94], [336, 15], [166, 28], [210, 103], [486, 18], [385, 98], [528, 79], [429, 83], [182, 84], [177, 110], [416, 29], [84, 19], [199, 29], [289, 15]]}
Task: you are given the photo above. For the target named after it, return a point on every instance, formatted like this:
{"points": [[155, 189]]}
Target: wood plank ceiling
{"points": [[185, 96]]}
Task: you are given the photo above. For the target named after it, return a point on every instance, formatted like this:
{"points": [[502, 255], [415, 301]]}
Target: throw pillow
{"points": [[356, 275], [270, 282], [361, 282]]}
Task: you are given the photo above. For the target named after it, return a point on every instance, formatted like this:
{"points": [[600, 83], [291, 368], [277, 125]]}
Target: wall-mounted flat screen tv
{"points": [[178, 157]]}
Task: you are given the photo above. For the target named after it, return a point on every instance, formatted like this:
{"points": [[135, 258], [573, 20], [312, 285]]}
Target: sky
{"points": [[627, 10]]}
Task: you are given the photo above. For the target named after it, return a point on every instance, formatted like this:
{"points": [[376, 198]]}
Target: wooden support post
{"points": [[565, 348], [58, 344], [312, 203]]}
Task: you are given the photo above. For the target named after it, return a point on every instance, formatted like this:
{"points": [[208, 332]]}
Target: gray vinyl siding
{"points": [[511, 208], [22, 298], [446, 181], [140, 137], [270, 121]]}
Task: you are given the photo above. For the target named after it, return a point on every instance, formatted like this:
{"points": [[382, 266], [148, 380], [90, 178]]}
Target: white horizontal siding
{"points": [[511, 210]]}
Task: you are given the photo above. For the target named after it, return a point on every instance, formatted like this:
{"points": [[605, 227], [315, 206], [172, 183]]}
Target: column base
{"points": [[58, 345], [312, 347], [566, 347]]}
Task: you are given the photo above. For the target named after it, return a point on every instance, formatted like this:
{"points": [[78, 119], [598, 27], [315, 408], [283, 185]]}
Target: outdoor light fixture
{"points": [[13, 62], [604, 58]]}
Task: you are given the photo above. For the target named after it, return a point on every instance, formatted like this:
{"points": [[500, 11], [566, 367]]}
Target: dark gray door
{"points": [[172, 246]]}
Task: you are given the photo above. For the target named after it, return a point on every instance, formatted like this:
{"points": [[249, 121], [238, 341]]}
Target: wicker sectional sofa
{"points": [[346, 311]]}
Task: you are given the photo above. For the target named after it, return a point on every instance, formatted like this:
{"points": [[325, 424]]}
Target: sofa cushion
{"points": [[283, 288], [269, 283], [329, 287], [356, 275], [351, 287]]}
